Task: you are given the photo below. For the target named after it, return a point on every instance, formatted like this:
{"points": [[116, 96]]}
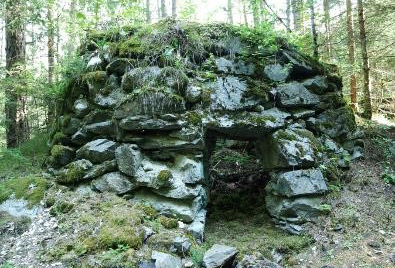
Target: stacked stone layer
{"points": [[146, 131]]}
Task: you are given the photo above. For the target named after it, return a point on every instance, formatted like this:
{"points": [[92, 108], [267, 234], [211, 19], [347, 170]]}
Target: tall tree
{"points": [[351, 54], [230, 11], [51, 42], [288, 14], [327, 20], [174, 8], [15, 103], [297, 13], [367, 104], [245, 13], [163, 8], [148, 11], [313, 29]]}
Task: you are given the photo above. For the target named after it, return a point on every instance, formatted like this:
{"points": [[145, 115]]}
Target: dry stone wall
{"points": [[143, 119]]}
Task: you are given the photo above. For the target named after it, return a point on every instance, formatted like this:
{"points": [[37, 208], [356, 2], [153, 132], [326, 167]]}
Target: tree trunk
{"points": [[148, 11], [163, 9], [297, 13], [245, 13], [15, 113], [313, 30], [367, 104], [158, 8], [51, 44], [288, 12], [174, 8], [255, 12], [327, 28], [230, 11], [351, 55]]}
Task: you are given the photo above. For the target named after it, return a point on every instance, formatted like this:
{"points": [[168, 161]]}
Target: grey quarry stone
{"points": [[98, 151], [114, 182], [164, 260], [129, 158], [219, 256], [294, 94], [297, 183], [276, 72]]}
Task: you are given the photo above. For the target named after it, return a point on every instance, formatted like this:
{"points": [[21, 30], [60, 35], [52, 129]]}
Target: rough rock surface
{"points": [[148, 118], [219, 256]]}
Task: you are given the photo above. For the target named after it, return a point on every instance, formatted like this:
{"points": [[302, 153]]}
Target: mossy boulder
{"points": [[74, 172], [62, 155]]}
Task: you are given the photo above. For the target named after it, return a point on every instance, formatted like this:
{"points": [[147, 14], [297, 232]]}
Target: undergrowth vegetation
{"points": [[26, 159]]}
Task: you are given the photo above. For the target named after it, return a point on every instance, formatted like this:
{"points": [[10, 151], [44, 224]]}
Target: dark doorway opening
{"points": [[236, 179]]}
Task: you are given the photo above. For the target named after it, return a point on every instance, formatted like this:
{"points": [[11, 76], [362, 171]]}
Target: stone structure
{"points": [[142, 121]]}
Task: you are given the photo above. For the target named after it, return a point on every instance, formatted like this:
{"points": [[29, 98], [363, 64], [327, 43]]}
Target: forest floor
{"points": [[359, 231]]}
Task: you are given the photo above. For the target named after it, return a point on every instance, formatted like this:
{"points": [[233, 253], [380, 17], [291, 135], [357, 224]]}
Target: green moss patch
{"points": [[31, 189], [168, 223]]}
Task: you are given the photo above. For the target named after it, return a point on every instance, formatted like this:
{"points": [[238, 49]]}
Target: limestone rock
{"points": [[98, 151], [103, 168], [248, 125], [164, 260], [276, 72], [193, 93], [129, 158], [69, 125], [288, 148], [113, 182], [181, 246], [175, 79], [297, 183], [185, 210], [196, 228], [101, 128], [337, 124], [296, 210], [229, 94], [150, 102], [294, 94], [301, 66], [237, 67], [139, 77], [219, 256], [317, 84], [142, 123], [110, 100], [81, 108], [80, 137], [74, 172]]}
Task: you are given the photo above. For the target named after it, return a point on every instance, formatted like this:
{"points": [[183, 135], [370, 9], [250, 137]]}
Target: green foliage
{"points": [[7, 265], [388, 177], [31, 189], [26, 159], [197, 254], [262, 38], [325, 208], [70, 71]]}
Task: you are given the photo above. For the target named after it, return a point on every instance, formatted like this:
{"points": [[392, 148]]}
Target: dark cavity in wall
{"points": [[235, 177]]}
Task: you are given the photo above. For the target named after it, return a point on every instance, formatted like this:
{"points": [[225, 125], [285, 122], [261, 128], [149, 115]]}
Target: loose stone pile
{"points": [[143, 120]]}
